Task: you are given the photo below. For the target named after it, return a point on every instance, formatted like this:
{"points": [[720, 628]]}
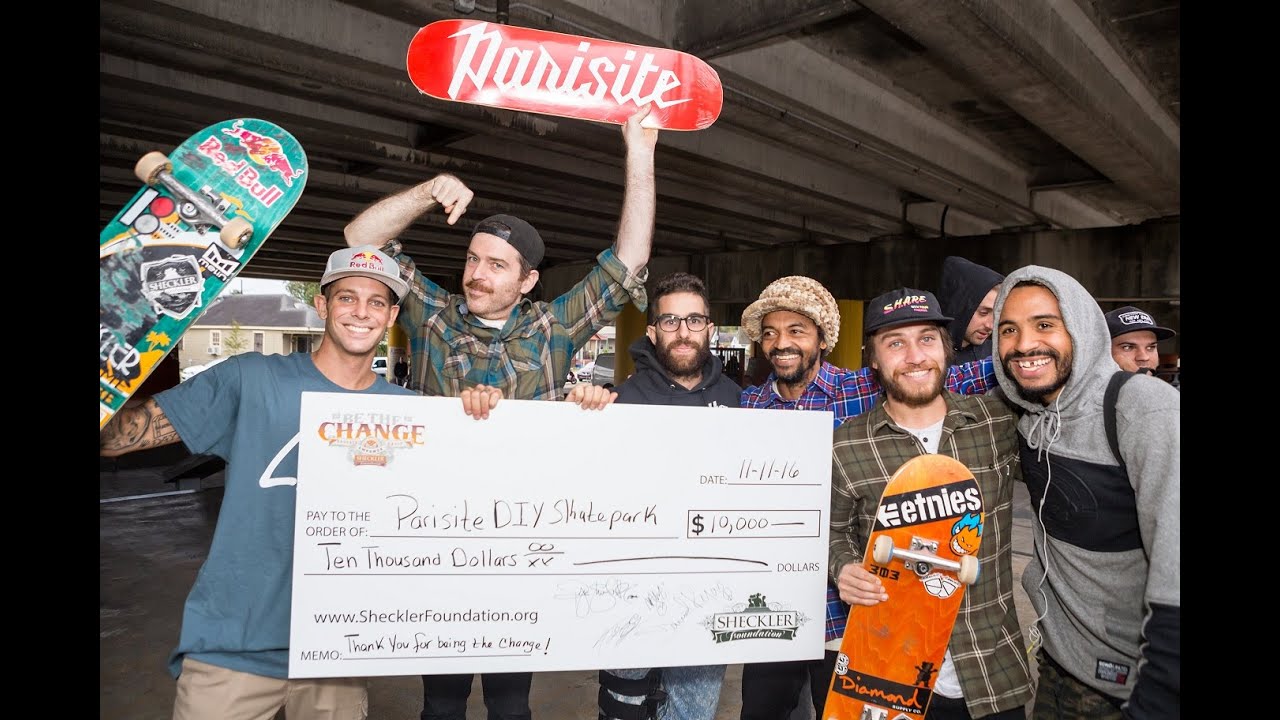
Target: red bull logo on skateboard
{"points": [[245, 174], [261, 152], [264, 151]]}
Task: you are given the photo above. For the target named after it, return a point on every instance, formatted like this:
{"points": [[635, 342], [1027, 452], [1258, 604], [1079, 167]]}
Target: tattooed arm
{"points": [[137, 427]]}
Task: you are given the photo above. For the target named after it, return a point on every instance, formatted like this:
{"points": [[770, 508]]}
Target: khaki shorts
{"points": [[209, 692]]}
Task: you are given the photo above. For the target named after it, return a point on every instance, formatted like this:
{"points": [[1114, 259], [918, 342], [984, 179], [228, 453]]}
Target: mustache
{"points": [[684, 343], [475, 284], [912, 368]]}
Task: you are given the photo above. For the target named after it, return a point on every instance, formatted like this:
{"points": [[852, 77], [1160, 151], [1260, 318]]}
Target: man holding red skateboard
{"points": [[492, 336]]}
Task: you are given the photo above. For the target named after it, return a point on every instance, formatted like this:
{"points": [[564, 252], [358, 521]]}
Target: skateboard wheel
{"points": [[969, 567], [149, 166], [882, 551], [236, 233]]}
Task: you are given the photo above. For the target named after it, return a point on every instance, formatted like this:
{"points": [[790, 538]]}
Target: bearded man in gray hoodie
{"points": [[1105, 576]]}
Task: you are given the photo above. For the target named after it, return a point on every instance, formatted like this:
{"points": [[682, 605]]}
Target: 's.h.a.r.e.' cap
{"points": [[900, 307]]}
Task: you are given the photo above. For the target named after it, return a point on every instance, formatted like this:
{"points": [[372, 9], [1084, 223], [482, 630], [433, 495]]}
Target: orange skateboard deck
{"points": [[923, 547], [518, 68]]}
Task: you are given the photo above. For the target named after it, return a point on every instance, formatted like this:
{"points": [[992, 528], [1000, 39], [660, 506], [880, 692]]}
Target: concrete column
{"points": [[848, 351]]}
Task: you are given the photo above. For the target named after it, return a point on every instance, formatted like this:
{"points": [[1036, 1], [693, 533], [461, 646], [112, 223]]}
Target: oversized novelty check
{"points": [[548, 537]]}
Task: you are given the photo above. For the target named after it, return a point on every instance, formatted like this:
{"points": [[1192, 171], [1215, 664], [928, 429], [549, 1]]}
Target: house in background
{"points": [[269, 324]]}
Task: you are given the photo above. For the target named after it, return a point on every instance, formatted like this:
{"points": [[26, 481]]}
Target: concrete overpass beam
{"points": [[713, 29], [1050, 63]]}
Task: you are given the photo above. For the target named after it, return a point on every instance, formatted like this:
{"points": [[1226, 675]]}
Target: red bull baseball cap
{"points": [[365, 261]]}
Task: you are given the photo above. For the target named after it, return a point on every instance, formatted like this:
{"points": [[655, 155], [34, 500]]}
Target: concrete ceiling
{"points": [[842, 121]]}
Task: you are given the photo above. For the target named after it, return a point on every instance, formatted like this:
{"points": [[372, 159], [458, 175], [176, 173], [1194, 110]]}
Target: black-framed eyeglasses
{"points": [[671, 323]]}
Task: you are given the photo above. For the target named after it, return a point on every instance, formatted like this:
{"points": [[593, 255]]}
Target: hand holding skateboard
{"points": [[201, 214], [922, 552], [518, 68]]}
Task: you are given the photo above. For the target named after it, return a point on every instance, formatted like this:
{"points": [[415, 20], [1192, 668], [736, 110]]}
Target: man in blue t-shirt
{"points": [[232, 654]]}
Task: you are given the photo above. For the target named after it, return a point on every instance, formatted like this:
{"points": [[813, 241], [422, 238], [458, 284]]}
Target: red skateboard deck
{"points": [[552, 73], [923, 546]]}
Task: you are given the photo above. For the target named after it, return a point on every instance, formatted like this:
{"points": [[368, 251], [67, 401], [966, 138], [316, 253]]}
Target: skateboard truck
{"points": [[154, 168], [922, 558]]}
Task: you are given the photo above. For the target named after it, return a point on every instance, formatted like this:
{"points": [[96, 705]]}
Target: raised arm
{"points": [[137, 427], [387, 218], [635, 226]]}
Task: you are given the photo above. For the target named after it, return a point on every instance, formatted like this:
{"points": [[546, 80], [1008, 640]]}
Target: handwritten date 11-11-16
{"points": [[765, 470]]}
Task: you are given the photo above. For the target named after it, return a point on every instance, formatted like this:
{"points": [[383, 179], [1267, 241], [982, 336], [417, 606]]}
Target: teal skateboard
{"points": [[203, 211]]}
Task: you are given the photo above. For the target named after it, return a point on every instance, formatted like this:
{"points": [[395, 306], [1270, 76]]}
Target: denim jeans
{"points": [[693, 691]]}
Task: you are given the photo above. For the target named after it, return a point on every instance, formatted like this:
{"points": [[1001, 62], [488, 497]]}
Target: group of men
{"points": [[1103, 580]]}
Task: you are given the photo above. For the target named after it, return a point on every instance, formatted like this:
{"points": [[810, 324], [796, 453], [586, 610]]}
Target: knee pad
{"points": [[648, 688]]}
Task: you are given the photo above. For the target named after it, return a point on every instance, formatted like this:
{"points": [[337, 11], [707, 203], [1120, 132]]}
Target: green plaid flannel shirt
{"points": [[528, 357], [981, 432]]}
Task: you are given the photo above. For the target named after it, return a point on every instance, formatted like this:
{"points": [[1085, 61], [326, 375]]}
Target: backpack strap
{"points": [[1109, 411]]}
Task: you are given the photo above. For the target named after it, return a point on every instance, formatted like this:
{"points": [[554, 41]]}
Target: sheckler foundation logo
{"points": [[173, 285], [756, 620], [371, 438]]}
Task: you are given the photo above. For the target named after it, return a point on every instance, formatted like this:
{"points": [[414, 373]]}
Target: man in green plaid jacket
{"points": [[491, 339], [984, 673]]}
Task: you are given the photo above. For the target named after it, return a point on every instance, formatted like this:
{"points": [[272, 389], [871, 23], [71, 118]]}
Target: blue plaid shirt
{"points": [[848, 393]]}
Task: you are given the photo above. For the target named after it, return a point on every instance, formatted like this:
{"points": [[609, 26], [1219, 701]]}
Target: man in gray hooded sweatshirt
{"points": [[1105, 577]]}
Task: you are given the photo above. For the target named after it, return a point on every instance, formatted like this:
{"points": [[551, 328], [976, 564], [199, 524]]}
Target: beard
{"points": [[801, 373], [1038, 393], [683, 367], [912, 394]]}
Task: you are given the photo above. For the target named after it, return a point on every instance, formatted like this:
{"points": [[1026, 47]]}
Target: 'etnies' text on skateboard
{"points": [[201, 214], [923, 547], [552, 73]]}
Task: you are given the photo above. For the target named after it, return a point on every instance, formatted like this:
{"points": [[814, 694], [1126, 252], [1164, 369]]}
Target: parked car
{"points": [[584, 372], [380, 366], [602, 371], [189, 372]]}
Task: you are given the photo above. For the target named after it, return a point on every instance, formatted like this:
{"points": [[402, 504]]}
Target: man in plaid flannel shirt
{"points": [[797, 323], [984, 673], [493, 340]]}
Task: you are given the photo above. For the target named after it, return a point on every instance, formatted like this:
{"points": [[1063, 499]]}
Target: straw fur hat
{"points": [[798, 294]]}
